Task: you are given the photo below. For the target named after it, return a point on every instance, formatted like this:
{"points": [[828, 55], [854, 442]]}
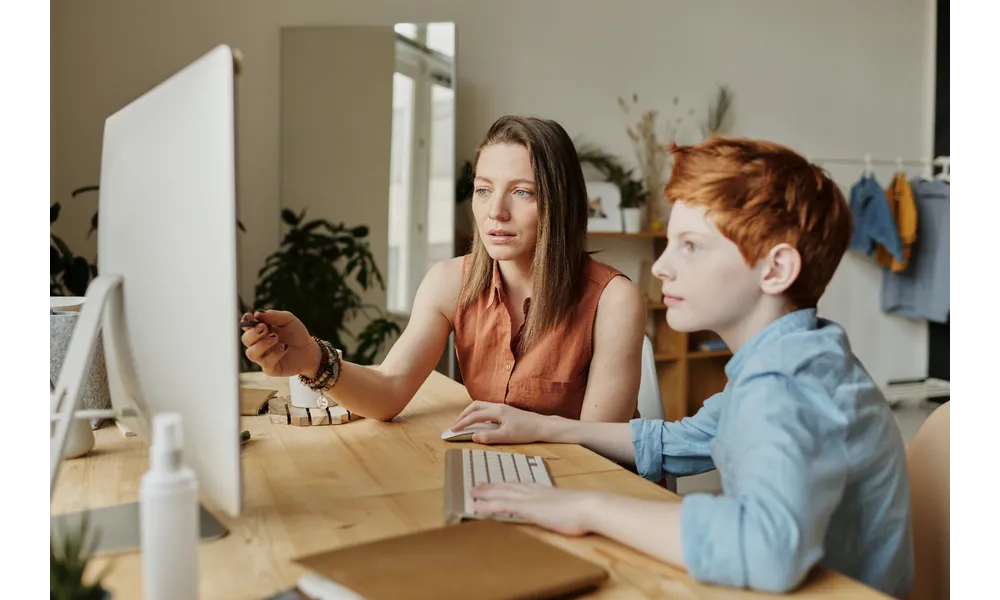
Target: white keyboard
{"points": [[466, 468]]}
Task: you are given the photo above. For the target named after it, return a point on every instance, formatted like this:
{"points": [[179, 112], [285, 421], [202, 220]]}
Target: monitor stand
{"points": [[116, 528]]}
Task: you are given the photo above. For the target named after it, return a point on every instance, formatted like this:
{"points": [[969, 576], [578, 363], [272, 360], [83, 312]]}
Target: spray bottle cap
{"points": [[166, 451]]}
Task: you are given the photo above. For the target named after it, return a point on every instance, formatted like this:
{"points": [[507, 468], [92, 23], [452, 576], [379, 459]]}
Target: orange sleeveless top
{"points": [[551, 376]]}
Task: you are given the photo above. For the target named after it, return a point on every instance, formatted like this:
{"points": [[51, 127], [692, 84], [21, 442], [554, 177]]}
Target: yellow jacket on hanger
{"points": [[903, 208]]}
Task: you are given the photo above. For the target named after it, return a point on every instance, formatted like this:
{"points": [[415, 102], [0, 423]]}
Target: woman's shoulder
{"points": [[447, 273], [601, 273], [443, 283]]}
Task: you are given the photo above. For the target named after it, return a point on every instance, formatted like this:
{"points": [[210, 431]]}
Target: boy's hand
{"points": [[516, 426], [563, 511]]}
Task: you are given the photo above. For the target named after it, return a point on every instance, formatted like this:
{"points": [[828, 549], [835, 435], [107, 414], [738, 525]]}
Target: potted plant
{"points": [[317, 274], [68, 559], [69, 274], [633, 199], [633, 192]]}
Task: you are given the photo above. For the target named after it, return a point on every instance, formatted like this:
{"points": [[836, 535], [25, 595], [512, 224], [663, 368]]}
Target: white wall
{"points": [[829, 78], [336, 124]]}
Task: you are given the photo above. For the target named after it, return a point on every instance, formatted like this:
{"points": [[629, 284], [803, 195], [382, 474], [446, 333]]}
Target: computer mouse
{"points": [[465, 435]]}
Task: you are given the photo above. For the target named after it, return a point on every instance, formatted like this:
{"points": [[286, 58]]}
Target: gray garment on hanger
{"points": [[923, 290]]}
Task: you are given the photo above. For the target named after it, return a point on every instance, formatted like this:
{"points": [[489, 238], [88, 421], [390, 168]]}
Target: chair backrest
{"points": [[650, 404], [928, 460]]}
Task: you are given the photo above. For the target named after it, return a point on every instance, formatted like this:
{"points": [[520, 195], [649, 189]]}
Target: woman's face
{"points": [[504, 202]]}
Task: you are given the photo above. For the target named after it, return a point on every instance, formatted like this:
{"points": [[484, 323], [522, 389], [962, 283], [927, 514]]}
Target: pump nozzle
{"points": [[168, 442]]}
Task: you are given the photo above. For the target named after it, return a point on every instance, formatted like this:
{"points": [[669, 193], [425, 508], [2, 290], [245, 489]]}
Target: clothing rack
{"points": [[941, 161]]}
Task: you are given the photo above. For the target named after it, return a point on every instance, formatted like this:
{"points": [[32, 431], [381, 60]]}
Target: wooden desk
{"points": [[310, 489]]}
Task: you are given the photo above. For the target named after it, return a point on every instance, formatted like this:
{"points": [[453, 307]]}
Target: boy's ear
{"points": [[781, 269]]}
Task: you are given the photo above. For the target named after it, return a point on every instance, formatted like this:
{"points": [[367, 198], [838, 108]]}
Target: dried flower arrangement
{"points": [[715, 124], [652, 154]]}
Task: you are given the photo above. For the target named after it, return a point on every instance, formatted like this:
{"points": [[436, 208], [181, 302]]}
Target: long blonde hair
{"points": [[560, 252]]}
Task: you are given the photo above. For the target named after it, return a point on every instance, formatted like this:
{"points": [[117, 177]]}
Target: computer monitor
{"points": [[166, 296]]}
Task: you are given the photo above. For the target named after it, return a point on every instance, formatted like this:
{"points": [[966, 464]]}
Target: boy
{"points": [[813, 466]]}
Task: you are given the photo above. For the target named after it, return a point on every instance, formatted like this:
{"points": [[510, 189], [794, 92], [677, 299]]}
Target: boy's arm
{"points": [[677, 448], [787, 468], [640, 443]]}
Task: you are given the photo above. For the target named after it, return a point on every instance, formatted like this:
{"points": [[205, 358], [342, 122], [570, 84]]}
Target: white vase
{"points": [[300, 395], [632, 219]]}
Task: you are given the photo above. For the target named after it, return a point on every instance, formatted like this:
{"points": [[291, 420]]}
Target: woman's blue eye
{"points": [[522, 193], [481, 191], [689, 246]]}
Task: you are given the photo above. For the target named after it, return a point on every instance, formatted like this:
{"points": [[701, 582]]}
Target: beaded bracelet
{"points": [[329, 368]]}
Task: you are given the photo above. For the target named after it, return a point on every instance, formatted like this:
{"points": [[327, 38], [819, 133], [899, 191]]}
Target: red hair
{"points": [[762, 194]]}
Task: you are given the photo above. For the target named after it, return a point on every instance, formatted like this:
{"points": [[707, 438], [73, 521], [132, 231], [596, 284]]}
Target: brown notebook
{"points": [[476, 560], [254, 400]]}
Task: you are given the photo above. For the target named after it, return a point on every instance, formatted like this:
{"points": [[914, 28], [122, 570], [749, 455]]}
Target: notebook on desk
{"points": [[474, 560]]}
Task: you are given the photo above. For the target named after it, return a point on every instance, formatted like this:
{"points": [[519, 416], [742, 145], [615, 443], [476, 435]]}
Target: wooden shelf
{"points": [[665, 357], [656, 306]]}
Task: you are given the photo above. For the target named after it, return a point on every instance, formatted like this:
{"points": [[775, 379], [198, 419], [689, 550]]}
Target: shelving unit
{"points": [[687, 375]]}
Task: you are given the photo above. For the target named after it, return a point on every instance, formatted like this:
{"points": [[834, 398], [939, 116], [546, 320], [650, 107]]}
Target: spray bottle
{"points": [[168, 520]]}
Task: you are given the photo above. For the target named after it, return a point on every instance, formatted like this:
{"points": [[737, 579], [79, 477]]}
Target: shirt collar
{"points": [[497, 292], [800, 320], [496, 286]]}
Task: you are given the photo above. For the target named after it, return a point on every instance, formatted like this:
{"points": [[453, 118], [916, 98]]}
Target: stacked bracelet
{"points": [[329, 368]]}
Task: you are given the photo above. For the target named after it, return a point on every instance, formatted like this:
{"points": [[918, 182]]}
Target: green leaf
{"points": [[360, 231], [93, 225], [54, 212], [77, 276], [67, 255], [55, 261], [84, 190], [289, 217]]}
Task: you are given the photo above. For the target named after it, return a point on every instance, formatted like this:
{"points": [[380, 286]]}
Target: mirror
{"points": [[368, 139]]}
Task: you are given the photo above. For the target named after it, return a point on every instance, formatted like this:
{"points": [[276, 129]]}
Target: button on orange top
{"points": [[551, 376]]}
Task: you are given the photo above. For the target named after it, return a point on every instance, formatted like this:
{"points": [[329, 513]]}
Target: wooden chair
{"points": [[928, 460]]}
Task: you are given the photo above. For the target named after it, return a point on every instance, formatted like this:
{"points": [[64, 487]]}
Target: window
{"points": [[422, 180]]}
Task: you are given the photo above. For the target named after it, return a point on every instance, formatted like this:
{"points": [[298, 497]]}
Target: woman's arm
{"points": [[384, 391], [616, 366]]}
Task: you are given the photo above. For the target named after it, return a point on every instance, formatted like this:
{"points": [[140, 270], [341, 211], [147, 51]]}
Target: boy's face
{"points": [[706, 283]]}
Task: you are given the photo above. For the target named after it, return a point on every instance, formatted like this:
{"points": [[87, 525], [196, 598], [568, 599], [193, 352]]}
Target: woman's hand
{"points": [[563, 511], [516, 426], [281, 344]]}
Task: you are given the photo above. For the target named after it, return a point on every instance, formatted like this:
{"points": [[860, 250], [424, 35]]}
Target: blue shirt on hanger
{"points": [[873, 221], [923, 290]]}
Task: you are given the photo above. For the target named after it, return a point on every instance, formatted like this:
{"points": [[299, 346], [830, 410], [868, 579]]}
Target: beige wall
{"points": [[830, 78], [336, 124]]}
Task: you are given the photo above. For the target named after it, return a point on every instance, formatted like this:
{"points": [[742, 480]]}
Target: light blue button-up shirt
{"points": [[813, 467]]}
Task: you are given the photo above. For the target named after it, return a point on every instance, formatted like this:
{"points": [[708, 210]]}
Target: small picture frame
{"points": [[604, 206]]}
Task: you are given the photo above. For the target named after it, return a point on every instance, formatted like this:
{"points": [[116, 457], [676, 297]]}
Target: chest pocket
{"points": [[548, 397]]}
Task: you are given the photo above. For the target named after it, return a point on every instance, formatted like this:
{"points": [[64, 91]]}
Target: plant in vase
{"points": [[633, 199], [652, 154], [632, 192]]}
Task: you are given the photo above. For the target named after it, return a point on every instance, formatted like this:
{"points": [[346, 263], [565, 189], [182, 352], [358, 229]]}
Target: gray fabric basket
{"points": [[96, 393]]}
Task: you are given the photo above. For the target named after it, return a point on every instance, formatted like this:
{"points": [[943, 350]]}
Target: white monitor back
{"points": [[168, 227]]}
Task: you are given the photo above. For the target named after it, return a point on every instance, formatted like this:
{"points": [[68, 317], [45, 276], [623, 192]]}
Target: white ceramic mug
{"points": [[300, 395]]}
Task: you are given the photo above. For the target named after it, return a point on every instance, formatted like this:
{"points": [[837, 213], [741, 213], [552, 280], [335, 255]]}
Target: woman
{"points": [[538, 324]]}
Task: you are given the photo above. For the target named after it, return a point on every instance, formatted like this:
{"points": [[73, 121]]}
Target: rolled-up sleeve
{"points": [[786, 471], [676, 448]]}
